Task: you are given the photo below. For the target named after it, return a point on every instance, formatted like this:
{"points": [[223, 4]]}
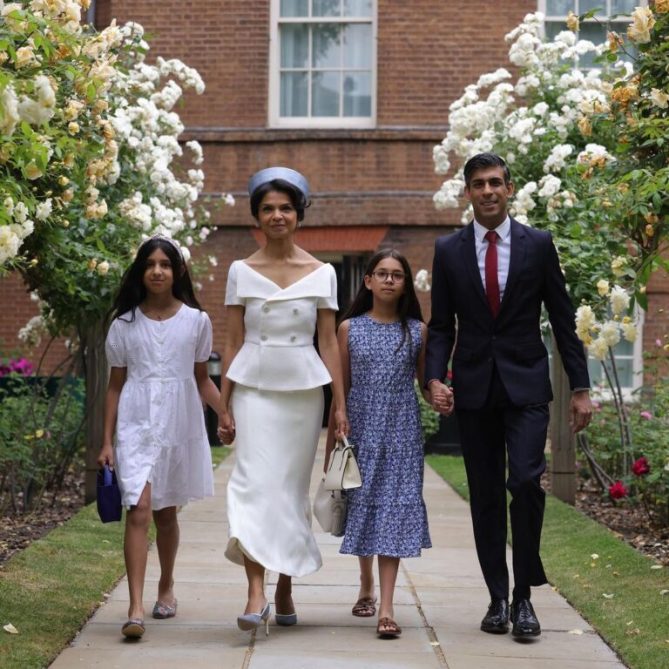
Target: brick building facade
{"points": [[372, 185]]}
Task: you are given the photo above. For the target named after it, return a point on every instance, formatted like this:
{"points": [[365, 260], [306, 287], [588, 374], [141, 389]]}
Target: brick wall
{"points": [[428, 51]]}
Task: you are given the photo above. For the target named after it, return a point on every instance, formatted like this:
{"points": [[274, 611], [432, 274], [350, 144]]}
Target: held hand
{"points": [[341, 424], [441, 398], [106, 456], [580, 410], [226, 428]]}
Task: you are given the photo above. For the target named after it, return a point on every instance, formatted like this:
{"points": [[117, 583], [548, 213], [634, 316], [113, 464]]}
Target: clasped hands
{"points": [[441, 397]]}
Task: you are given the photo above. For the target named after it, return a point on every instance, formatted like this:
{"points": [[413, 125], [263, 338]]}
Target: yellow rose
{"points": [[39, 434], [572, 21], [643, 21], [92, 264], [615, 41], [650, 231], [659, 98], [585, 126], [603, 287], [67, 197], [63, 180], [25, 56], [103, 268], [32, 172], [73, 127], [662, 6]]}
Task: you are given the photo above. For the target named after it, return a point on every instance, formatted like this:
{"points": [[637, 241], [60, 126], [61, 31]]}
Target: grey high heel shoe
{"points": [[251, 621]]}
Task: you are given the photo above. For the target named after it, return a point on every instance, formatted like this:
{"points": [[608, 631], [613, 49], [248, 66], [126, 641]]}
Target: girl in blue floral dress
{"points": [[382, 344]]}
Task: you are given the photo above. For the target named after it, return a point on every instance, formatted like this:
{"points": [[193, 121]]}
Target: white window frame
{"points": [[275, 119], [555, 18]]}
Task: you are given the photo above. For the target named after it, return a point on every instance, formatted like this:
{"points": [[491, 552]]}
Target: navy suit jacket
{"points": [[512, 342]]}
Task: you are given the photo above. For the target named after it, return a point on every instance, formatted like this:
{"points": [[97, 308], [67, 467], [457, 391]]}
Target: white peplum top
{"points": [[278, 351]]}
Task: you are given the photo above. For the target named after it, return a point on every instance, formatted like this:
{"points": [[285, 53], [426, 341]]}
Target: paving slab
{"points": [[439, 602]]}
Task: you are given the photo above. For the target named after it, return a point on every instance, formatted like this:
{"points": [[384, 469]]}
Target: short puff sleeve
{"points": [[204, 338], [231, 297], [115, 349], [330, 302]]}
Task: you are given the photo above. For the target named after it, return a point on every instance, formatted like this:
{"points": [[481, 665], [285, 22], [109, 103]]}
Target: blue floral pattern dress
{"points": [[387, 515]]}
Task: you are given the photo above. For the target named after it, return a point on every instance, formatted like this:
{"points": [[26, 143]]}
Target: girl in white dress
{"points": [[272, 397], [157, 347]]}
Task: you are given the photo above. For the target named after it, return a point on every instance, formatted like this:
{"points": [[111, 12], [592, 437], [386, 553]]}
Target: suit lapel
{"points": [[517, 259], [471, 262]]}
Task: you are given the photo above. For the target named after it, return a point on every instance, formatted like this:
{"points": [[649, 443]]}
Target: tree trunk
{"points": [[563, 451], [94, 365]]}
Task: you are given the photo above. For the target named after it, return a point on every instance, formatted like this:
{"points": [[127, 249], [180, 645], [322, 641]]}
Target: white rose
{"points": [[102, 268]]}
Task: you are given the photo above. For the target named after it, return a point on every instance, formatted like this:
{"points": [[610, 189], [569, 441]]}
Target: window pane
{"points": [[326, 47], [587, 5], [325, 94], [559, 7], [357, 94], [596, 33], [327, 8], [294, 46], [552, 28], [360, 7], [294, 94], [294, 8], [357, 44], [623, 6]]}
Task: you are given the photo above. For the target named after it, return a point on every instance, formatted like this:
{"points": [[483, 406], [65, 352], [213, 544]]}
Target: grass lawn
{"points": [[49, 590], [615, 588]]}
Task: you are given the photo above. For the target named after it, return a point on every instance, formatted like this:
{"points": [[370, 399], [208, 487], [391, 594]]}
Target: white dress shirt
{"points": [[503, 251]]}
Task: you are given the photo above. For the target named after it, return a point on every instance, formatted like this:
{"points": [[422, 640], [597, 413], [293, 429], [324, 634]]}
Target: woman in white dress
{"points": [[272, 396], [157, 347]]}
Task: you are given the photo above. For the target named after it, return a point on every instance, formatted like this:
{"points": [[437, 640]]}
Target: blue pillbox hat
{"points": [[293, 177]]}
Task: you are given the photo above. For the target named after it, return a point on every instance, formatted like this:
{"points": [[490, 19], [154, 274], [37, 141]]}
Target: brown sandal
{"points": [[365, 607], [388, 628]]}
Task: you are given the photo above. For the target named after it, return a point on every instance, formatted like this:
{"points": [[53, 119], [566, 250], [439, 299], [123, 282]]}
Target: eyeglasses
{"points": [[383, 276]]}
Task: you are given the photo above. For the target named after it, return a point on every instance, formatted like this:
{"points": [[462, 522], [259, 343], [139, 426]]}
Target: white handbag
{"points": [[330, 509], [343, 472]]}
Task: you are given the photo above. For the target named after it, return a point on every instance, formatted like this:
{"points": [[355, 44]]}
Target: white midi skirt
{"points": [[269, 510]]}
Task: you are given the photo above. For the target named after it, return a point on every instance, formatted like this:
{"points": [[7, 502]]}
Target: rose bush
{"points": [[90, 165]]}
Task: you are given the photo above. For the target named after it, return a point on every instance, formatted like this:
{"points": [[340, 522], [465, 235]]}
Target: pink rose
{"points": [[617, 490], [646, 414], [640, 467]]}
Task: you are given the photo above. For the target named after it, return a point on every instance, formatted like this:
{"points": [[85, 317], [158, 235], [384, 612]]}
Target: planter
{"points": [[446, 441]]}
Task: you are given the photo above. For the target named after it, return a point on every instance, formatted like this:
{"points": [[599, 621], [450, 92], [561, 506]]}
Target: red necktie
{"points": [[491, 282]]}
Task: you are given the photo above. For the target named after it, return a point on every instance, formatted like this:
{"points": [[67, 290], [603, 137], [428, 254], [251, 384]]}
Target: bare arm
{"points": [[234, 340], [117, 378], [329, 350], [342, 341], [206, 387]]}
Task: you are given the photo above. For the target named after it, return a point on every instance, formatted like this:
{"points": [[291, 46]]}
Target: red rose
{"points": [[640, 467], [617, 490]]}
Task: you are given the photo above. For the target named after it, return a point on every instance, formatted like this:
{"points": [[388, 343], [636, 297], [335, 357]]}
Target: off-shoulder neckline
{"points": [[290, 285]]}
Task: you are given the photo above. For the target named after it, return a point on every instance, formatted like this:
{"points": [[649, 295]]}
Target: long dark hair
{"points": [[299, 202], [407, 306], [132, 290]]}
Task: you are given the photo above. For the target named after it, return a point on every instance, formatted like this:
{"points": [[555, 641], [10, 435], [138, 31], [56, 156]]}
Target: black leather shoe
{"points": [[496, 621], [524, 619]]}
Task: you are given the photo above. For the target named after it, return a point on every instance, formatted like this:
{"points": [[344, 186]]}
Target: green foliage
{"points": [[648, 421], [40, 436], [429, 418]]}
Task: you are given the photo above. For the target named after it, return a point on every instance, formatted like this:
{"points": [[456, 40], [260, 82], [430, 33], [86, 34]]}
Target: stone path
{"points": [[440, 600]]}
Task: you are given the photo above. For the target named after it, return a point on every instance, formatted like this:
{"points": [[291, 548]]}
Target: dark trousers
{"points": [[487, 437]]}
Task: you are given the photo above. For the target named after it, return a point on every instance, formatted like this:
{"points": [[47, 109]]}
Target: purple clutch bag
{"points": [[108, 496]]}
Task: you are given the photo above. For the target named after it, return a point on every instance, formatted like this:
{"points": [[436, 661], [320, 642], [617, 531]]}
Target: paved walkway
{"points": [[439, 603]]}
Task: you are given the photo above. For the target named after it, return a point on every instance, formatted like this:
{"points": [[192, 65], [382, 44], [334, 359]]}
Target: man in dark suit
{"points": [[491, 278]]}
